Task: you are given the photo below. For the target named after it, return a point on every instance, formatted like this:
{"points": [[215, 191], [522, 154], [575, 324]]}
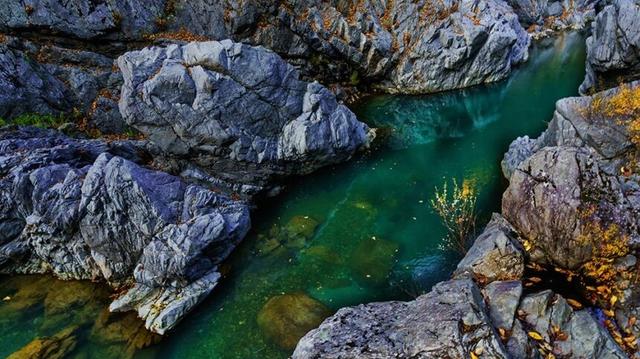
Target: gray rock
{"points": [[613, 49], [576, 167], [83, 209], [503, 299], [47, 79], [495, 255], [473, 41], [450, 321], [84, 18], [225, 102], [585, 337], [519, 150]]}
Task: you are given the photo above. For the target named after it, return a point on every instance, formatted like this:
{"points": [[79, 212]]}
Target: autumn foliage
{"points": [[457, 211], [623, 107]]}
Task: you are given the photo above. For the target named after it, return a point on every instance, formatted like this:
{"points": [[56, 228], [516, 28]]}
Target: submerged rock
{"points": [[84, 212], [450, 321], [287, 318], [58, 346], [372, 260]]}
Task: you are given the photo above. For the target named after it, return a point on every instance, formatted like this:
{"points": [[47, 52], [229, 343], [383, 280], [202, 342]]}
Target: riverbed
{"points": [[358, 232]]}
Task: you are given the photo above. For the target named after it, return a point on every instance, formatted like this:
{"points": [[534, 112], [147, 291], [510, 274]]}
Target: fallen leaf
{"points": [[574, 303], [534, 335]]}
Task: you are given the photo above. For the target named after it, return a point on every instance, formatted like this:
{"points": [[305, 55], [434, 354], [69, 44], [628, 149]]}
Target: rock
{"points": [[585, 337], [232, 106], [124, 331], [519, 150], [85, 19], [450, 321], [87, 213], [287, 318], [55, 347], [503, 299], [575, 171], [48, 79], [475, 41], [26, 86], [554, 15], [612, 48], [372, 261], [304, 226], [495, 255]]}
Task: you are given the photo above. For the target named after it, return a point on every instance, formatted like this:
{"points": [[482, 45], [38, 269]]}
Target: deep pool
{"points": [[362, 231]]}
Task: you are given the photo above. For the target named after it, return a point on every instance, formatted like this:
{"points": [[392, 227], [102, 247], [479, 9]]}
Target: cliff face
{"points": [[402, 46], [572, 208], [613, 49]]}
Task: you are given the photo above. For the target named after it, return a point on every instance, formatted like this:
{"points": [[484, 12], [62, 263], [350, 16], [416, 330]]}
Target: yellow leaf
{"points": [[473, 355], [608, 313], [613, 300], [574, 303], [534, 335]]}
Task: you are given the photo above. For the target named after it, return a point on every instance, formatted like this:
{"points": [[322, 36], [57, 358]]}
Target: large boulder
{"points": [[229, 105], [84, 209], [572, 178], [286, 318], [613, 49], [451, 321]]}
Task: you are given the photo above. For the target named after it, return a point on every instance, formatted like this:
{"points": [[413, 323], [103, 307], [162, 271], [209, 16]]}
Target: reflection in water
{"points": [[362, 231]]}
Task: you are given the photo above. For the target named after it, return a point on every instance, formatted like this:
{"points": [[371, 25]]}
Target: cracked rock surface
{"points": [[225, 102], [613, 49], [84, 209]]}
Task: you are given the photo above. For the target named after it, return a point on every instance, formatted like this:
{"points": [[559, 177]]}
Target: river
{"points": [[354, 233]]}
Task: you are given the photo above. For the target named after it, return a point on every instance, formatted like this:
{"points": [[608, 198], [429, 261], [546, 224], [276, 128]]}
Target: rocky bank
{"points": [[569, 216], [178, 113], [172, 119]]}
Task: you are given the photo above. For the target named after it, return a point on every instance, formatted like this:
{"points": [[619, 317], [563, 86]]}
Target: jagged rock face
{"points": [[575, 164], [25, 86], [405, 43], [415, 46], [567, 332], [84, 19], [495, 255], [234, 102], [558, 14], [449, 322], [85, 210], [46, 79], [613, 49]]}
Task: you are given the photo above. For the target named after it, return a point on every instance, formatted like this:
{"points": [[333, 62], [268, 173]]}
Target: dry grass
{"points": [[181, 35]]}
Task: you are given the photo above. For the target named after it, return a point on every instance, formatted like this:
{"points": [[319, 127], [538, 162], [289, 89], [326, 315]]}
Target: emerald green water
{"points": [[376, 236]]}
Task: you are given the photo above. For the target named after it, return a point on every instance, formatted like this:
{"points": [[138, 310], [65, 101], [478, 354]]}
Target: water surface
{"points": [[364, 231]]}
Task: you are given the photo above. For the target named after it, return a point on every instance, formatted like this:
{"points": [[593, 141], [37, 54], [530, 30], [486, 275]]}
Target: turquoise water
{"points": [[364, 231]]}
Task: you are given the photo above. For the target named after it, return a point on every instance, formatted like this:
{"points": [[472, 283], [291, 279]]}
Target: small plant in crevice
{"points": [[456, 207], [37, 120]]}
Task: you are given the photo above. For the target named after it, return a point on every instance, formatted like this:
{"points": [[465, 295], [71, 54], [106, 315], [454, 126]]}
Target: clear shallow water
{"points": [[364, 231]]}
